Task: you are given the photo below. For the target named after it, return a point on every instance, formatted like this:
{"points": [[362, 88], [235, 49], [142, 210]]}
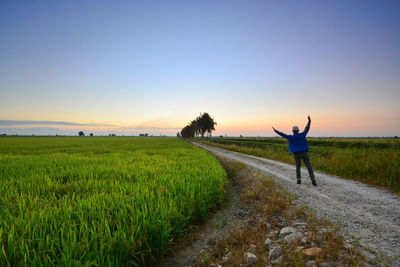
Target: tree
{"points": [[196, 125], [208, 124], [201, 125], [187, 132], [178, 134], [205, 124], [91, 134], [81, 133]]}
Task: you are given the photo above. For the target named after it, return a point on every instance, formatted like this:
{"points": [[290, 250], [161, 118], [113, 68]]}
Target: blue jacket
{"points": [[297, 141]]}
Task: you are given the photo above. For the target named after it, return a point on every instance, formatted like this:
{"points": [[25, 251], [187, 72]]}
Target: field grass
{"points": [[100, 201], [374, 161]]}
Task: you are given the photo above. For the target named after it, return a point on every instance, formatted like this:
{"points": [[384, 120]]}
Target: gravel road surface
{"points": [[369, 214]]}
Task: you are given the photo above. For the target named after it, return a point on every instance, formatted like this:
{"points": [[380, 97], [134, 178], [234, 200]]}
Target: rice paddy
{"points": [[100, 201]]}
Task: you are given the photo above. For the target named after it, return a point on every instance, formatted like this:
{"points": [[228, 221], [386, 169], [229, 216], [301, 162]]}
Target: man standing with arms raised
{"points": [[298, 146]]}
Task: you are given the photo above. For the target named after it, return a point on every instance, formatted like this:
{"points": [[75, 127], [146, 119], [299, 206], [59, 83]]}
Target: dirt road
{"points": [[370, 215]]}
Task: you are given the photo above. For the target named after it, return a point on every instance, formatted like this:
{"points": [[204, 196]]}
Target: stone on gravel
{"points": [[311, 264], [312, 252], [225, 259], [299, 249], [293, 238], [273, 235], [275, 253], [251, 259], [267, 243], [253, 248], [286, 231]]}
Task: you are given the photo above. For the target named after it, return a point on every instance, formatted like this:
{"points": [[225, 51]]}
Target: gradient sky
{"points": [[137, 66]]}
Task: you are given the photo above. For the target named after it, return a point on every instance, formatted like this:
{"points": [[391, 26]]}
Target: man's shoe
{"points": [[298, 181], [314, 183]]}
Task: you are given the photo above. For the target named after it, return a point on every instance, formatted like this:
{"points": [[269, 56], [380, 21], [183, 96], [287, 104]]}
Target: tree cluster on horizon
{"points": [[198, 127]]}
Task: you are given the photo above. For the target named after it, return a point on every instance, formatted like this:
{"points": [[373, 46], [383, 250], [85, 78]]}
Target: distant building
{"points": [[146, 134], [112, 135]]}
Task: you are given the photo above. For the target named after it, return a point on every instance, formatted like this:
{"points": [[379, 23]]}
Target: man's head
{"points": [[295, 129]]}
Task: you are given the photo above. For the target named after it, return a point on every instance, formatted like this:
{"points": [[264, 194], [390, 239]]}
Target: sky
{"points": [[130, 67]]}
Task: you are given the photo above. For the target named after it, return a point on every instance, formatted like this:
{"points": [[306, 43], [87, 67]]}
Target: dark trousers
{"points": [[298, 156]]}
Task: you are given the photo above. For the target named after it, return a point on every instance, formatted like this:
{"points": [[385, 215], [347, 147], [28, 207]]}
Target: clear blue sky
{"points": [[155, 65]]}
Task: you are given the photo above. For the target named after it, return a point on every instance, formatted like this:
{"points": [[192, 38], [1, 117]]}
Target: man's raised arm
{"points": [[280, 133], [307, 126]]}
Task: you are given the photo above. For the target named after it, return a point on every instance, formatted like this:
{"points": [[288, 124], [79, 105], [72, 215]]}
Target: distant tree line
{"points": [[201, 125]]}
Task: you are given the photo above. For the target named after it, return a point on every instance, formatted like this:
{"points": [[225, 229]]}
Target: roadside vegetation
{"points": [[373, 161], [277, 230], [104, 201]]}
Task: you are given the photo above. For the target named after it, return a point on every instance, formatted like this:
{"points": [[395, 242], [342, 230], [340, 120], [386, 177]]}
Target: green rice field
{"points": [[373, 161], [100, 201]]}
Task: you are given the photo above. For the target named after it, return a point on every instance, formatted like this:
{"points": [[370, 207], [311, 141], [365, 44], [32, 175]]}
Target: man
{"points": [[299, 147]]}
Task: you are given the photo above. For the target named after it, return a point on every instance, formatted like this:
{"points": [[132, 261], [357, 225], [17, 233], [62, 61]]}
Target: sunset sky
{"points": [[129, 67]]}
